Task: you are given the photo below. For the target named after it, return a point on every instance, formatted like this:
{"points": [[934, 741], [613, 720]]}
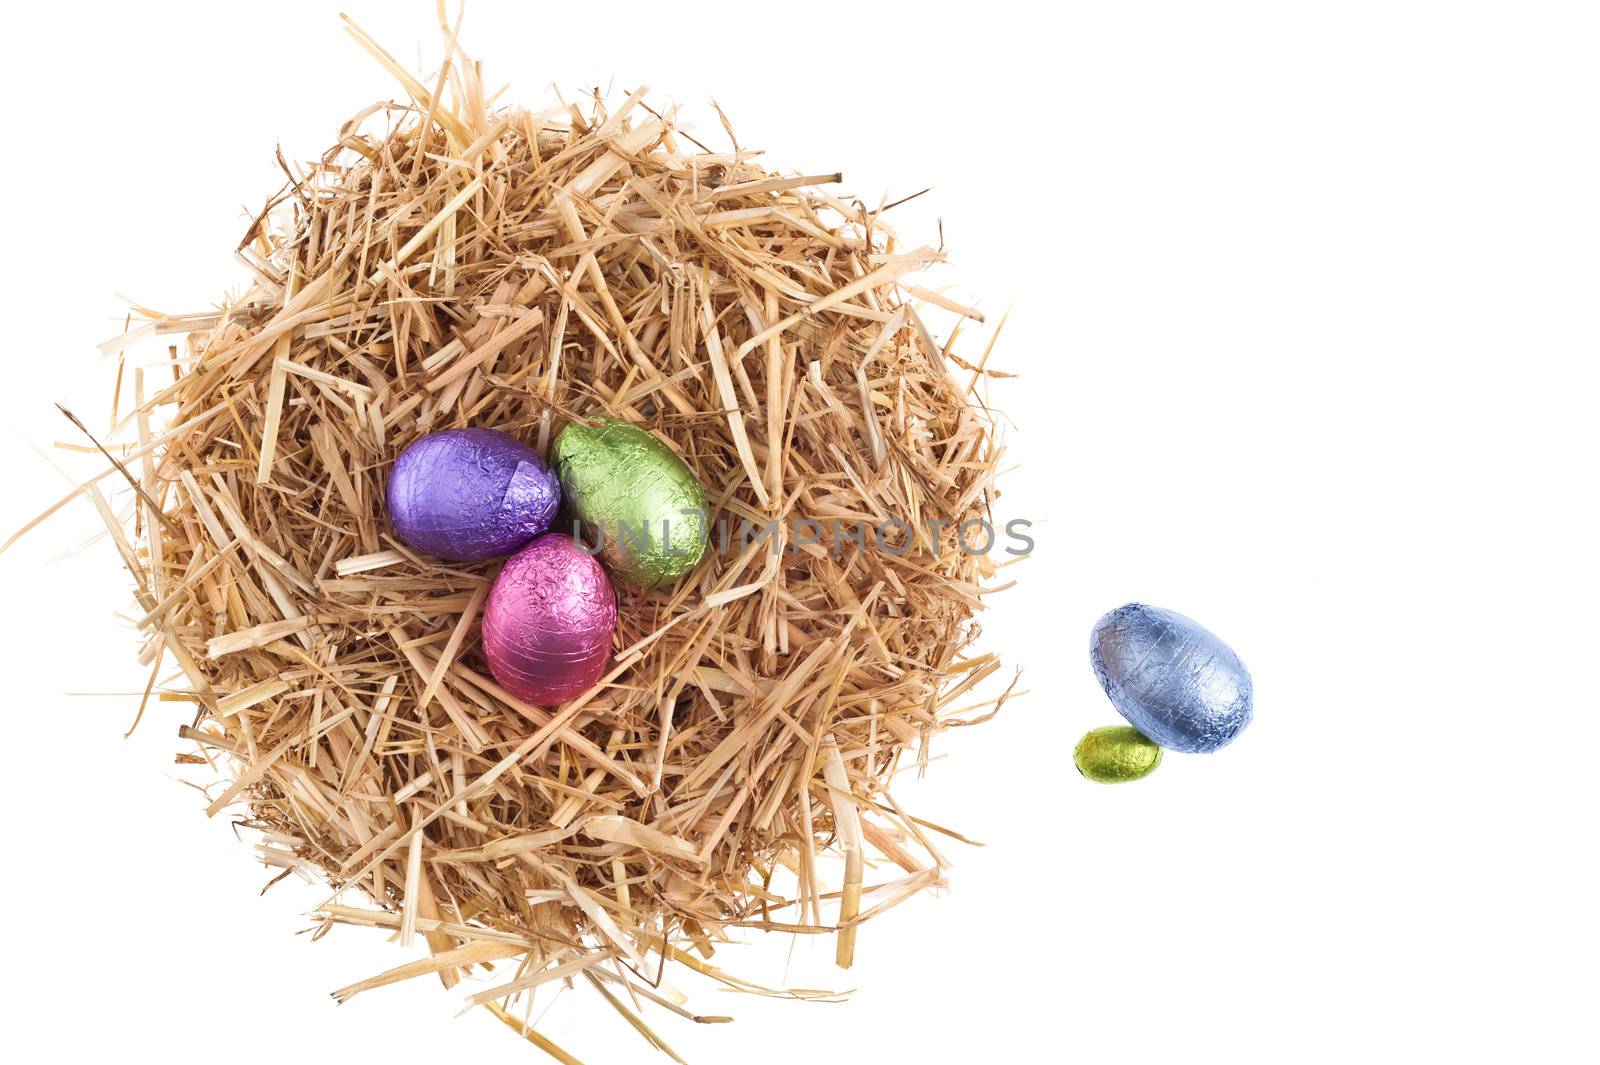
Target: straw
{"points": [[446, 265]]}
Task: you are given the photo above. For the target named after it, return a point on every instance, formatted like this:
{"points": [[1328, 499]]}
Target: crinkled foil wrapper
{"points": [[1173, 680], [635, 498], [548, 622], [470, 494], [1116, 754]]}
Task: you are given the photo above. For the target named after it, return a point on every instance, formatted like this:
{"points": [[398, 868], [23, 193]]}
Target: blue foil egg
{"points": [[1173, 680]]}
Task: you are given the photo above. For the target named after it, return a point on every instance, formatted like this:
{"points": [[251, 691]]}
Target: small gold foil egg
{"points": [[1115, 754]]}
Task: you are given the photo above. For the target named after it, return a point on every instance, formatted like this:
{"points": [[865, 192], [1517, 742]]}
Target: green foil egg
{"points": [[1115, 754], [635, 498]]}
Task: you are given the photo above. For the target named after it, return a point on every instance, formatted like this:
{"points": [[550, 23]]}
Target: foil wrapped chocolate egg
{"points": [[1174, 681], [470, 494], [1116, 754], [548, 621], [638, 503]]}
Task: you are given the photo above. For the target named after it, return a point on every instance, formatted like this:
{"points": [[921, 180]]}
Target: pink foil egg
{"points": [[548, 622]]}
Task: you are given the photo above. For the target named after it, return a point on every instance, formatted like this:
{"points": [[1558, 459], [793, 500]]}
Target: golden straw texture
{"points": [[452, 264]]}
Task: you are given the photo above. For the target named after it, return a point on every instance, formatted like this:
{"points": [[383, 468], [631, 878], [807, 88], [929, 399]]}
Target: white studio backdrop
{"points": [[1305, 317]]}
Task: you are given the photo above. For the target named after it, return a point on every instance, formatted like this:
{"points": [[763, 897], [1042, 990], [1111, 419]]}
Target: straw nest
{"points": [[450, 264]]}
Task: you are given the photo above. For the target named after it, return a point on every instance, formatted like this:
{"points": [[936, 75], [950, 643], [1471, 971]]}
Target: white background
{"points": [[1305, 309]]}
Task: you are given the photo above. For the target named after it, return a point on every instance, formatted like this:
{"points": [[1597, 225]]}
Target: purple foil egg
{"points": [[548, 621], [471, 494]]}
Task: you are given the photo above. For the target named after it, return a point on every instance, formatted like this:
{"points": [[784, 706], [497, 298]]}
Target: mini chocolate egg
{"points": [[548, 621], [471, 494], [1174, 681], [1115, 754], [637, 500]]}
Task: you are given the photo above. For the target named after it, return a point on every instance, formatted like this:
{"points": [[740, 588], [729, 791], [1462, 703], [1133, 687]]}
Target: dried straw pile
{"points": [[471, 266]]}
